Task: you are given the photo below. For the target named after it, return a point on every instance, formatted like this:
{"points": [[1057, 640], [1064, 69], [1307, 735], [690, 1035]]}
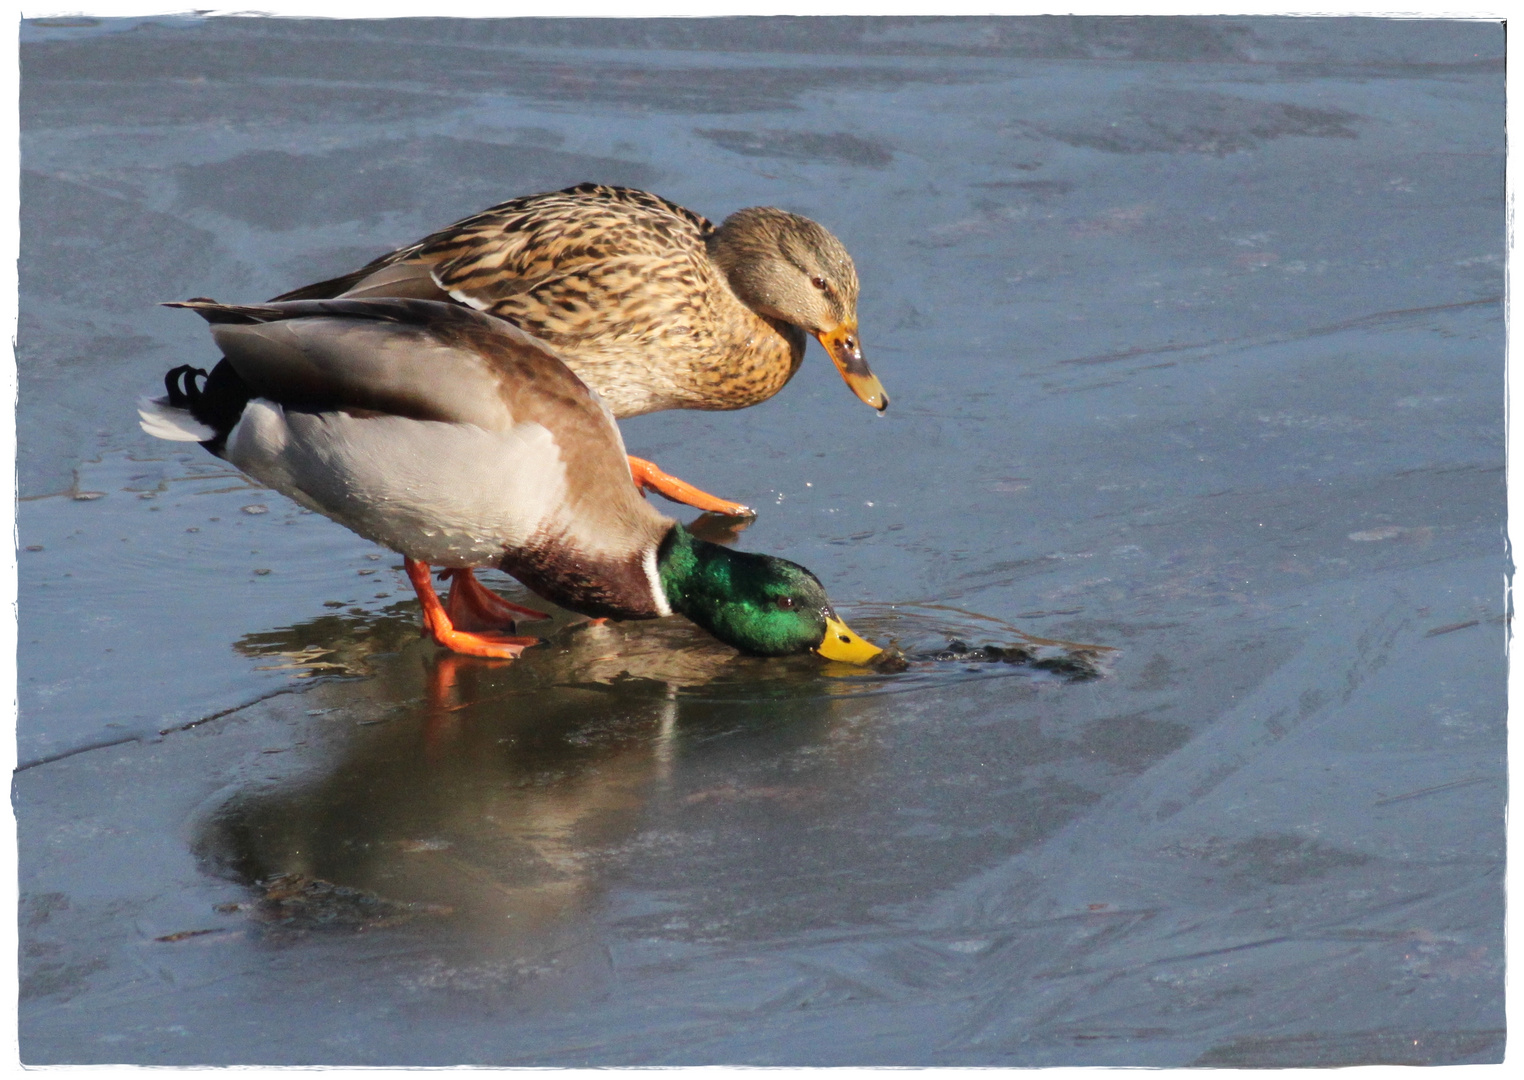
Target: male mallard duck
{"points": [[650, 304], [461, 441]]}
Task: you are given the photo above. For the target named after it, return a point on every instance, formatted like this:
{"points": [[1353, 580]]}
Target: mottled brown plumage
{"points": [[650, 304]]}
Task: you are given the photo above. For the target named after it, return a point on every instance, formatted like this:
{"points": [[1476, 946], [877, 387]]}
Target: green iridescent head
{"points": [[759, 604]]}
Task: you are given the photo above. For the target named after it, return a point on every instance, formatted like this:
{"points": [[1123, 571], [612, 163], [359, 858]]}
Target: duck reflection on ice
{"points": [[501, 796], [497, 818], [492, 795]]}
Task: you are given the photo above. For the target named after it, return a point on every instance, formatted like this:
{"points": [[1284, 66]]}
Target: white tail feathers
{"points": [[164, 421]]}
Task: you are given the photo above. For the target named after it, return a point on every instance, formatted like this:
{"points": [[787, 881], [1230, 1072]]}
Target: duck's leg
{"points": [[651, 478], [437, 624], [471, 601]]}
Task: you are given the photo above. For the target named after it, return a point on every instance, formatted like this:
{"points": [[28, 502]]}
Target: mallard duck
{"points": [[649, 303], [460, 441]]}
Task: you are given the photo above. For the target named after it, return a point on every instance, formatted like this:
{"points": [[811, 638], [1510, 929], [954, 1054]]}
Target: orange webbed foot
{"points": [[472, 604], [482, 643], [438, 624], [649, 477]]}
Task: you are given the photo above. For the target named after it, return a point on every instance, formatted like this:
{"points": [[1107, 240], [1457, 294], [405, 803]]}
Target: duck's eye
{"points": [[819, 283], [785, 603]]}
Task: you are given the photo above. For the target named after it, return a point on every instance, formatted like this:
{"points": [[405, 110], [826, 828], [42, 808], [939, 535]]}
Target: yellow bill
{"points": [[847, 353], [842, 644]]}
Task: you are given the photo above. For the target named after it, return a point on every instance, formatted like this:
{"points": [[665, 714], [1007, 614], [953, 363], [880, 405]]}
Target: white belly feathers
{"points": [[447, 494]]}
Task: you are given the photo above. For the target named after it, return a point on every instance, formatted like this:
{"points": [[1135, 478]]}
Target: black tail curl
{"points": [[180, 384], [217, 401]]}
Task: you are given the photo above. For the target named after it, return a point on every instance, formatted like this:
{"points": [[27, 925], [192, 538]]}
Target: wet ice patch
{"points": [[833, 148], [1194, 121], [1423, 535], [1311, 421], [297, 903], [937, 642]]}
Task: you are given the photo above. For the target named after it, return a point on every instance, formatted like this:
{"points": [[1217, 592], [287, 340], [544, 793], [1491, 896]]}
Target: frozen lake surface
{"points": [[1194, 336]]}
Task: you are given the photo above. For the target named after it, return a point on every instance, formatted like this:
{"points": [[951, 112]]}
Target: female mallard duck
{"points": [[460, 441], [650, 304]]}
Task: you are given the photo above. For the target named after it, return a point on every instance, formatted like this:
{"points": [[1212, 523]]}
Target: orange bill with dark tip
{"points": [[847, 353]]}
